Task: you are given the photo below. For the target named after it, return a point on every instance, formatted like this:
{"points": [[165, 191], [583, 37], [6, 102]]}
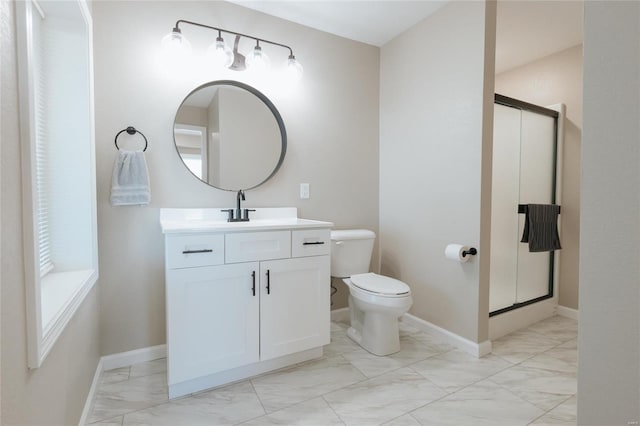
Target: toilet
{"points": [[375, 301]]}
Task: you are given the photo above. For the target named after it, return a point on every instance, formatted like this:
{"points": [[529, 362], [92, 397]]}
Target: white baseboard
{"points": [[125, 359], [340, 315], [122, 359], [564, 311], [86, 411], [476, 349]]}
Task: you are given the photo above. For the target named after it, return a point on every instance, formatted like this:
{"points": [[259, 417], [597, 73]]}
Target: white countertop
{"points": [[214, 220]]}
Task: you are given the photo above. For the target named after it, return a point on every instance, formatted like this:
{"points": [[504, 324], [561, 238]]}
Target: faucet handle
{"points": [[246, 213], [230, 214]]}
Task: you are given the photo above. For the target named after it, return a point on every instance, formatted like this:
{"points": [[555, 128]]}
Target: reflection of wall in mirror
{"points": [[194, 116], [250, 140], [213, 123]]}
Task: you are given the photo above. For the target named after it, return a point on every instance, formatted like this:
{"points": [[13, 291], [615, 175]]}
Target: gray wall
{"points": [[433, 145], [55, 393], [609, 327], [332, 125], [558, 79]]}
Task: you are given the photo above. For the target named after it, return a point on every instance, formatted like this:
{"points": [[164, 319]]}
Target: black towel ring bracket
{"points": [[132, 131]]}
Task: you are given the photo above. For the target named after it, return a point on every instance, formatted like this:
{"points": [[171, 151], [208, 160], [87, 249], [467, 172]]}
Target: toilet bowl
{"points": [[375, 301]]}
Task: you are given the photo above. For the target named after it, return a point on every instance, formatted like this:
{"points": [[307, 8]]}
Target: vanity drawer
{"points": [[310, 242], [188, 251], [250, 246]]}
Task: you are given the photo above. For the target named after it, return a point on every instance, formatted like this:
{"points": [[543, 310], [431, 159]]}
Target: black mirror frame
{"points": [[267, 102]]}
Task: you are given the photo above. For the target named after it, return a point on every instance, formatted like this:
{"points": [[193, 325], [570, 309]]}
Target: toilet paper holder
{"points": [[472, 251]]}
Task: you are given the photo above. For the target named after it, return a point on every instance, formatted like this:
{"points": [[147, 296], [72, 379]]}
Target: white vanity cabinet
{"points": [[212, 320], [243, 299], [293, 312]]}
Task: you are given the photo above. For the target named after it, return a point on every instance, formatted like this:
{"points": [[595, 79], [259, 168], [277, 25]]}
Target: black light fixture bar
{"points": [[257, 39]]}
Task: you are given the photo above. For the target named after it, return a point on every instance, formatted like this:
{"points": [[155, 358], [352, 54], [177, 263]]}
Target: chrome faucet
{"points": [[238, 216], [240, 198]]}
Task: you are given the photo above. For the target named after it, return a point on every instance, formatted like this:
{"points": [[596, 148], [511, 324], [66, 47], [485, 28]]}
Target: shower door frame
{"points": [[525, 106]]}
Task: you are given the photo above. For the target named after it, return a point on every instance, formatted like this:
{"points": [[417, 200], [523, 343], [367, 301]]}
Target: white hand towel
{"points": [[130, 180]]}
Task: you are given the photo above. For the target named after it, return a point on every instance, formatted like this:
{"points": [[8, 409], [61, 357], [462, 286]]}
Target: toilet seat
{"points": [[380, 285]]}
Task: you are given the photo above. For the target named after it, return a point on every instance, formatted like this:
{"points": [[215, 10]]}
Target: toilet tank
{"points": [[351, 251]]}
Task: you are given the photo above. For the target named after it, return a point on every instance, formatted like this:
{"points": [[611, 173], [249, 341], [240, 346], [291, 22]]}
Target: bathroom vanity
{"points": [[242, 298]]}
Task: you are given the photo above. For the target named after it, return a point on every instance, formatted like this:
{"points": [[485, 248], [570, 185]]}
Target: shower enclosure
{"points": [[525, 159]]}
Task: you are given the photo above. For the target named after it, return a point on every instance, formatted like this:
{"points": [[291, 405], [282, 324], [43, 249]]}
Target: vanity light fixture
{"points": [[257, 59], [222, 56], [176, 43], [294, 69], [220, 53]]}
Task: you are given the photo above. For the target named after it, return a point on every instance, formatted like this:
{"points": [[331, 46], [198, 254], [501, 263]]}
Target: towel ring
{"points": [[132, 131]]}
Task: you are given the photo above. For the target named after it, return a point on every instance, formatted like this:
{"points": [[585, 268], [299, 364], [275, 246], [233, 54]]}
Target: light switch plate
{"points": [[304, 191]]}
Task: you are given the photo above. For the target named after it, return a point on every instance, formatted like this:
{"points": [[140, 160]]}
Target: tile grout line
{"points": [[355, 383], [533, 368], [549, 411], [332, 409], [259, 400], [128, 412], [478, 381], [447, 393], [308, 399], [397, 417], [541, 334]]}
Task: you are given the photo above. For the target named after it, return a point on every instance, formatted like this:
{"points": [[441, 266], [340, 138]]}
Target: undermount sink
{"points": [[214, 219]]}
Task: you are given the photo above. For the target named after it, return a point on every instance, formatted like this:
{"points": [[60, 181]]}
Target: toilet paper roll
{"points": [[454, 252]]}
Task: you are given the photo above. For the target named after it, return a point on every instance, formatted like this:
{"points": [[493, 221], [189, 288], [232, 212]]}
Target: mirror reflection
{"points": [[229, 135]]}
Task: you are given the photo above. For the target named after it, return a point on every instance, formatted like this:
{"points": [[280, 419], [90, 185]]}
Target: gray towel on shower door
{"points": [[541, 227]]}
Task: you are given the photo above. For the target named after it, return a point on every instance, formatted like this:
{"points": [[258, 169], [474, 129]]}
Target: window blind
{"points": [[42, 167]]}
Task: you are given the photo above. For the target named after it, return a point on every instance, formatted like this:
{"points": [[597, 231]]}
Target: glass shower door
{"points": [[524, 162]]}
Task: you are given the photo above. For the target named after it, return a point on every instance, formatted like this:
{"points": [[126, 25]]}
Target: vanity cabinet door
{"points": [[212, 319], [294, 307]]}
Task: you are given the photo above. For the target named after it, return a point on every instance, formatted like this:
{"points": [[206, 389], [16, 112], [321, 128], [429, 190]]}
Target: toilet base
{"points": [[380, 334]]}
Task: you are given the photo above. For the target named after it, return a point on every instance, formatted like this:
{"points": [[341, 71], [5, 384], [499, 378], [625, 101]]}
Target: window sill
{"points": [[62, 294]]}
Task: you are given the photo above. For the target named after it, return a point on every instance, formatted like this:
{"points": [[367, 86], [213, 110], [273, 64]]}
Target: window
{"points": [[57, 132], [191, 142]]}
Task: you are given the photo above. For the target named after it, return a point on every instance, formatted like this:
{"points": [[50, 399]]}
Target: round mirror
{"points": [[229, 135]]}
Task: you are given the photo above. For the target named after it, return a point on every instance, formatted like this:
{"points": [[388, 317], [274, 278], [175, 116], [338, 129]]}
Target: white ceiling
{"points": [[369, 21], [526, 29]]}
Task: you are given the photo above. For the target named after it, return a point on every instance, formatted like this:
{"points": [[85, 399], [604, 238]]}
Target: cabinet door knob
{"points": [[253, 278], [268, 283]]}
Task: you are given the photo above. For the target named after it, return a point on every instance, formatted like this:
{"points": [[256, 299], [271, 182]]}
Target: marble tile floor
{"points": [[529, 379]]}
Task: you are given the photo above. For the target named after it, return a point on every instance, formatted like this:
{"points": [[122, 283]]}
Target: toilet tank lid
{"points": [[352, 234]]}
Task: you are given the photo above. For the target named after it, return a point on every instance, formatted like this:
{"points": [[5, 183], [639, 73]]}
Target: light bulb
{"points": [[294, 69], [175, 43], [258, 60], [220, 54]]}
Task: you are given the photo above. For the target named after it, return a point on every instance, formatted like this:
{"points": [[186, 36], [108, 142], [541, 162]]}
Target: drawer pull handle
{"points": [[197, 251], [253, 278], [268, 283], [314, 243]]}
